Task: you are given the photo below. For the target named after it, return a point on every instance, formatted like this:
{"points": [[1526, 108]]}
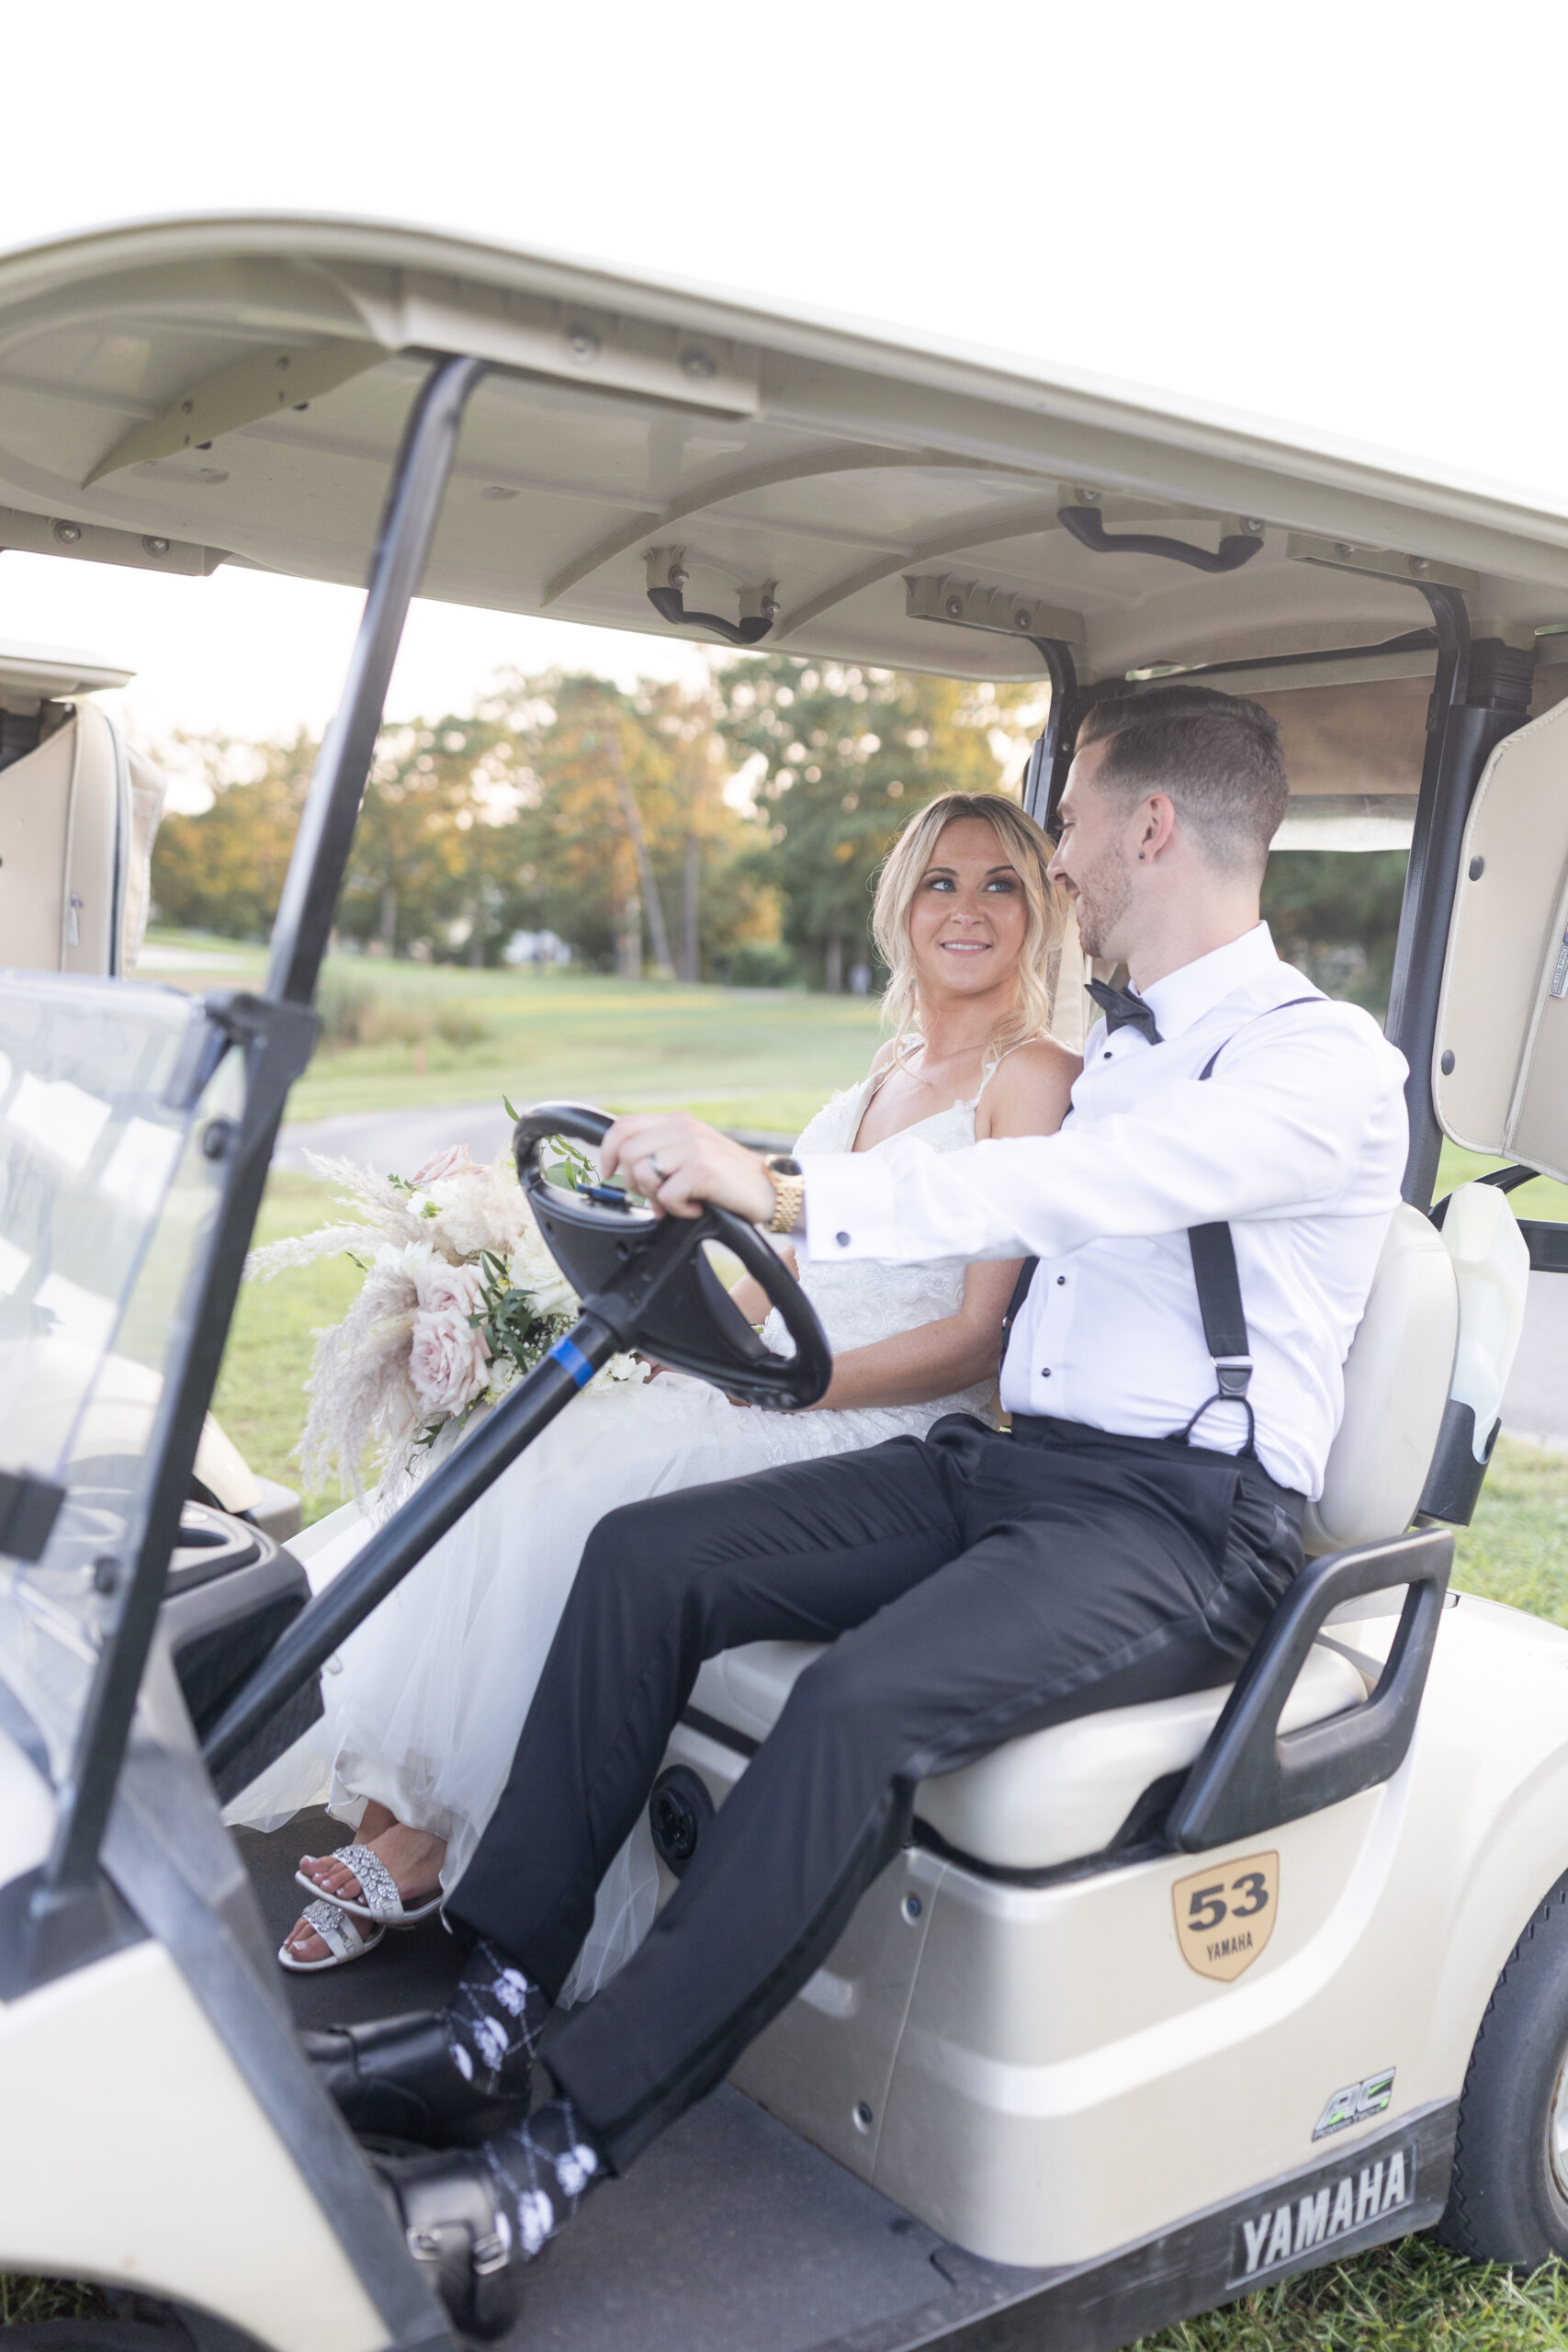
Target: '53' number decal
{"points": [[1207, 1906], [1224, 1915]]}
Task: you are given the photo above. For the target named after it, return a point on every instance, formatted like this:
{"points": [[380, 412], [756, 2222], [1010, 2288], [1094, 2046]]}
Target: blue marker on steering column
{"points": [[571, 1359]]}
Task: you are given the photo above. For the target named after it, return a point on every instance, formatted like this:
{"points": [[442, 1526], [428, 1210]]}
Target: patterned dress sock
{"points": [[493, 2022], [542, 2171]]}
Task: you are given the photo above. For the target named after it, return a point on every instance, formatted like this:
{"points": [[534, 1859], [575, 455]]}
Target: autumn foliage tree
{"points": [[840, 756]]}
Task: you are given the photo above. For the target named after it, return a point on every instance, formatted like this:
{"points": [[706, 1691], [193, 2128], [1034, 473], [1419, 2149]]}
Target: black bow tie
{"points": [[1123, 1007]]}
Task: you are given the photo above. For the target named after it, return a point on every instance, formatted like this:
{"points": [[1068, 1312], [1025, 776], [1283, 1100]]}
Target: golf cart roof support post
{"points": [[1046, 775], [1474, 707], [275, 1034], [322, 847]]}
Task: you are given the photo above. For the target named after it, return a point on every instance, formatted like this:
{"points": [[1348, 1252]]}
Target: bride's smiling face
{"points": [[969, 914]]}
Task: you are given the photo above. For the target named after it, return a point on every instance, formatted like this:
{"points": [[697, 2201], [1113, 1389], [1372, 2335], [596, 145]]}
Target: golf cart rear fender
{"points": [[1487, 1833], [1511, 1871], [179, 2186]]}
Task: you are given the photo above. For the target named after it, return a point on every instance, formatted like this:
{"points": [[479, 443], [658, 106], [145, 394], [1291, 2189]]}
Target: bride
{"points": [[425, 1714]]}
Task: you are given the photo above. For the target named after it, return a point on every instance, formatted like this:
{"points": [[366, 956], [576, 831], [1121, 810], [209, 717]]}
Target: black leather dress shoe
{"points": [[396, 2079], [446, 2205]]}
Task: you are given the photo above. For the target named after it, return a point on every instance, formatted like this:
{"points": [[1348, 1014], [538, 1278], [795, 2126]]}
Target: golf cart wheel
{"points": [[1509, 2199]]}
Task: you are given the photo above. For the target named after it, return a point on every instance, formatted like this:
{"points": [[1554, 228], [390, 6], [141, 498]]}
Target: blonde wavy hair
{"points": [[1028, 851]]}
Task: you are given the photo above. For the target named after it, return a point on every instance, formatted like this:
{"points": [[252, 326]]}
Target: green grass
{"points": [[1540, 1198], [1412, 2297], [743, 1057], [260, 1394]]}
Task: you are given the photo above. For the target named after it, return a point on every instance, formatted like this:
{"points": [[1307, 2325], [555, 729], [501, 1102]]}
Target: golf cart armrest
{"points": [[1250, 1777]]}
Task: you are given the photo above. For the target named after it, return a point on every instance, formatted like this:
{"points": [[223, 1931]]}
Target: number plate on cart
{"points": [[1224, 1915]]}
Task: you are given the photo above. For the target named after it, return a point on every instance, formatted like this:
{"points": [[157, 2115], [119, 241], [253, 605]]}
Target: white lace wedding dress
{"points": [[427, 1700]]}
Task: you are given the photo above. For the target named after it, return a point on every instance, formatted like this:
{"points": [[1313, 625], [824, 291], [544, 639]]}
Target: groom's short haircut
{"points": [[1217, 756]]}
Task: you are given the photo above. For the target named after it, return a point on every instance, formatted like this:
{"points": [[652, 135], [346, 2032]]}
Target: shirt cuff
{"points": [[849, 1205]]}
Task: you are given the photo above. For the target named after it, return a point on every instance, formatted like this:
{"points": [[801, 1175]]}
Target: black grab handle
{"points": [[1250, 1776], [648, 1279], [1086, 524]]}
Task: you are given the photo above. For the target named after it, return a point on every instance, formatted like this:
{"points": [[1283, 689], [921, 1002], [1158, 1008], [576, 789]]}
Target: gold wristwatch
{"points": [[788, 1179]]}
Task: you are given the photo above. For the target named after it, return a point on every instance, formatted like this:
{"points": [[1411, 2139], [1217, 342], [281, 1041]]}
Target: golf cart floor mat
{"points": [[729, 2234], [411, 1968]]}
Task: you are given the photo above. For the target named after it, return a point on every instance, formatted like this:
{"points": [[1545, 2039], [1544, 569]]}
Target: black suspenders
{"points": [[1217, 1282]]}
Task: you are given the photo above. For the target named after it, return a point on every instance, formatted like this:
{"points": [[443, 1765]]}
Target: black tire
{"points": [[1507, 2203]]}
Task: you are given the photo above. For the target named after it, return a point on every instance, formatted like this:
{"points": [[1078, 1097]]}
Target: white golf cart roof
{"points": [[33, 673], [180, 394]]}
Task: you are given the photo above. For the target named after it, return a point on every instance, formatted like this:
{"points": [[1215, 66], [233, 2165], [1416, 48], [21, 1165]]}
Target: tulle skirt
{"points": [[425, 1704]]}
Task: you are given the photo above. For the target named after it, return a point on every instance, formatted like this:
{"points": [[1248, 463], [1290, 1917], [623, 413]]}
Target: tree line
{"points": [[725, 834], [728, 834]]}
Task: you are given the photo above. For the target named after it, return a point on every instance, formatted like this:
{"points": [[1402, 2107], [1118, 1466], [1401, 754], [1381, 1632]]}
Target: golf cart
{"points": [[1155, 2005], [79, 810]]}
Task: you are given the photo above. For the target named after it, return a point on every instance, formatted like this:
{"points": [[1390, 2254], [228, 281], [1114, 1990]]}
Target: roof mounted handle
{"points": [[671, 605], [1086, 524]]}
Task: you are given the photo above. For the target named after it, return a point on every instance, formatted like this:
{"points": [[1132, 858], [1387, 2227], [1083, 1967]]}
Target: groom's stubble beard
{"points": [[1105, 893]]}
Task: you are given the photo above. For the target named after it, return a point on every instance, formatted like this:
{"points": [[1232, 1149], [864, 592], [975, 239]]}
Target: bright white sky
{"points": [[1348, 215]]}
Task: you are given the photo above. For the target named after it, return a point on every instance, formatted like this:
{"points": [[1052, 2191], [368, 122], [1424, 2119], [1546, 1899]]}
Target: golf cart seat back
{"points": [[77, 816]]}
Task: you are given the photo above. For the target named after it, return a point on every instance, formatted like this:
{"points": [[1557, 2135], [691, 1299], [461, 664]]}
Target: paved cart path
{"points": [[1536, 1404]]}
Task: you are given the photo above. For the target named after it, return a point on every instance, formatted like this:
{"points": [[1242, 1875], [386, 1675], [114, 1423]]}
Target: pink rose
{"points": [[440, 1289], [448, 1361], [453, 1161]]}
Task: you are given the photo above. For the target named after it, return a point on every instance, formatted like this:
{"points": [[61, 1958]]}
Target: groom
{"points": [[1127, 1542]]}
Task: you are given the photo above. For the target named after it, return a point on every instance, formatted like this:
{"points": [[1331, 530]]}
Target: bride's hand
{"points": [[677, 1163]]}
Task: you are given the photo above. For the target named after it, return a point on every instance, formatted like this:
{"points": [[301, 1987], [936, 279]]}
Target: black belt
{"points": [[1046, 1430]]}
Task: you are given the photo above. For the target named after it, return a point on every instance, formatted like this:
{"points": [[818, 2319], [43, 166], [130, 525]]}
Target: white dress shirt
{"points": [[1298, 1141]]}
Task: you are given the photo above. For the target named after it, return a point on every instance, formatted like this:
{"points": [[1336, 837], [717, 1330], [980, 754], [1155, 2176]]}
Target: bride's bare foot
{"points": [[413, 1857]]}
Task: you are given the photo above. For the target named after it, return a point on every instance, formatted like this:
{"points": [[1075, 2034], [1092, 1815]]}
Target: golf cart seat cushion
{"points": [[1397, 1376], [1052, 1796]]}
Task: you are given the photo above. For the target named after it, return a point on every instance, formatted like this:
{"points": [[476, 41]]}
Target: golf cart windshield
{"points": [[106, 1203]]}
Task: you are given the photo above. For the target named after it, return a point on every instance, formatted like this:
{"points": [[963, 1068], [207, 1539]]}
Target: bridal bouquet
{"points": [[461, 1296]]}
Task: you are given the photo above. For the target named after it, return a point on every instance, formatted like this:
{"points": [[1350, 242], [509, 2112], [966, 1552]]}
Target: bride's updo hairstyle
{"points": [[1028, 851]]}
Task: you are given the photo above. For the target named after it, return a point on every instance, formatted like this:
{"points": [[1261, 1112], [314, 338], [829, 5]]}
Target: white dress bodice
{"points": [[861, 1303]]}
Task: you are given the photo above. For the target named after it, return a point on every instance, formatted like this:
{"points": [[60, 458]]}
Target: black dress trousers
{"points": [[975, 1587]]}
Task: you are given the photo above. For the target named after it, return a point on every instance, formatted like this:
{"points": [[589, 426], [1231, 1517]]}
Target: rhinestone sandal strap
{"points": [[339, 1932], [378, 1887]]}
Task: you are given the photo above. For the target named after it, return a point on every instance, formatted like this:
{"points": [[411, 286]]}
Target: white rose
{"points": [[534, 1272], [408, 1259]]}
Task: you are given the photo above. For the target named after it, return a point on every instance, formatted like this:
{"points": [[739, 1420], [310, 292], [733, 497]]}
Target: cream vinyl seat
{"points": [[1057, 1795]]}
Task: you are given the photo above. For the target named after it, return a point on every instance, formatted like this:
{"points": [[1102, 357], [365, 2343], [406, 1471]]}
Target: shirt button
{"points": [[1044, 1372], [842, 1240], [1106, 1056], [1060, 1280]]}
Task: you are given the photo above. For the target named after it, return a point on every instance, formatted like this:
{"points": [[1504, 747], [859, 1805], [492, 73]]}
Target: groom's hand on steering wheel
{"points": [[677, 1163]]}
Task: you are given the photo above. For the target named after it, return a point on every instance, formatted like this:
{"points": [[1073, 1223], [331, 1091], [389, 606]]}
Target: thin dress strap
{"points": [[973, 1103]]}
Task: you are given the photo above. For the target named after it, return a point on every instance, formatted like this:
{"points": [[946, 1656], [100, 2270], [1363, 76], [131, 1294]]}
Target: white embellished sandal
{"points": [[342, 1937], [381, 1905]]}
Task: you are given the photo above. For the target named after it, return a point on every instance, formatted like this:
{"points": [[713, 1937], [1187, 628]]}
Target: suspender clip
{"points": [[1234, 1374]]}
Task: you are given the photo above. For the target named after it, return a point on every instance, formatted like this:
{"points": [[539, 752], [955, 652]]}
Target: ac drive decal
{"points": [[1356, 2103], [1353, 2200]]}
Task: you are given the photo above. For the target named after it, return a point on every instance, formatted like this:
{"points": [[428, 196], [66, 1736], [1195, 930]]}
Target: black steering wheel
{"points": [[647, 1278]]}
